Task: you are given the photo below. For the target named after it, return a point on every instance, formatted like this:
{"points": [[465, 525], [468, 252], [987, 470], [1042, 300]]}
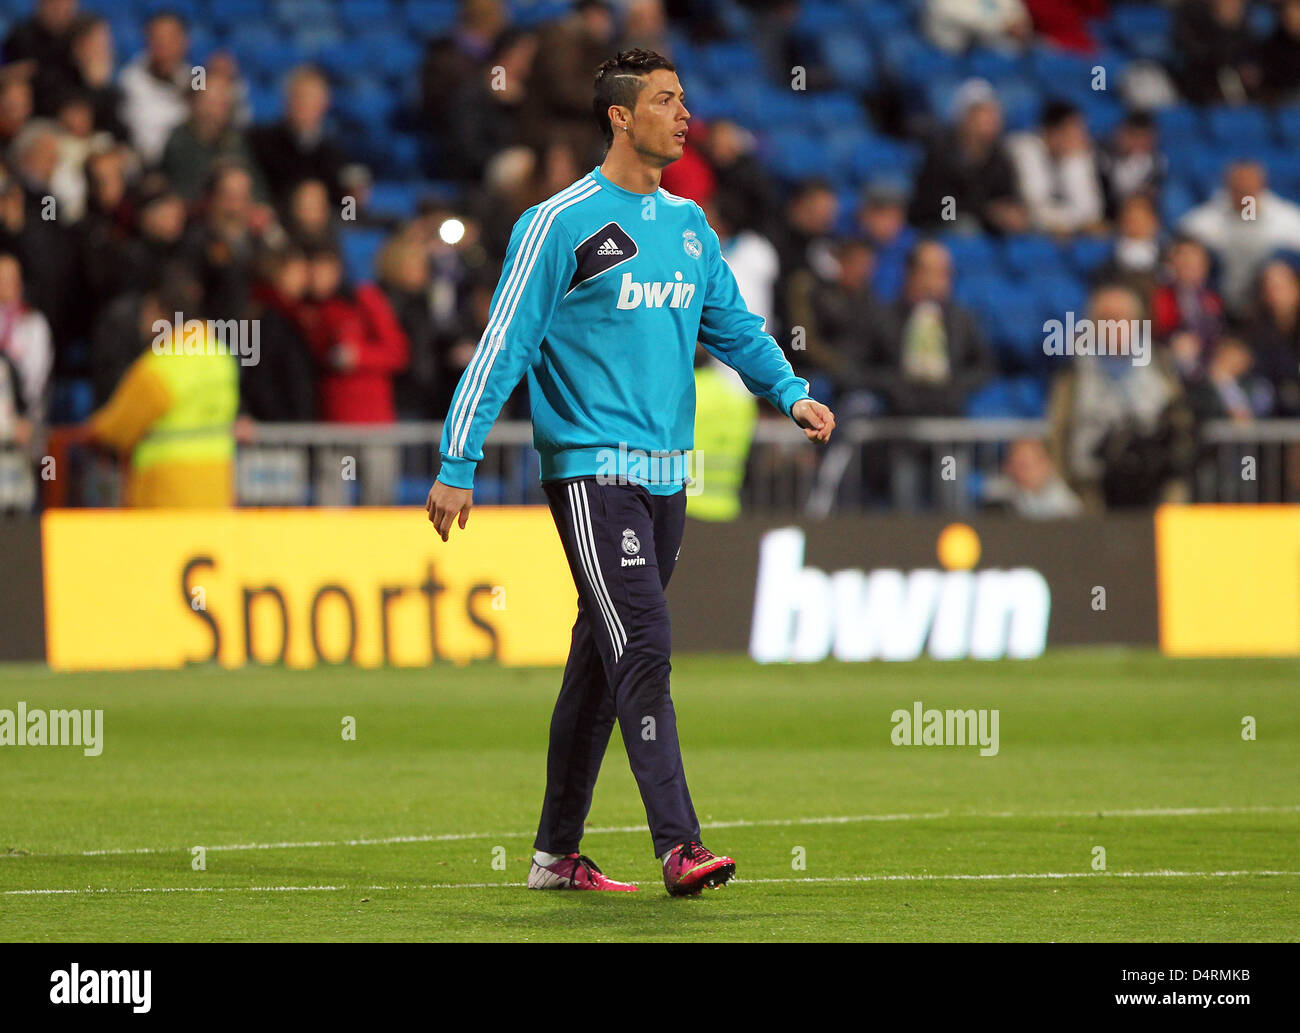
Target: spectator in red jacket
{"points": [[1186, 313], [356, 341], [1065, 22]]}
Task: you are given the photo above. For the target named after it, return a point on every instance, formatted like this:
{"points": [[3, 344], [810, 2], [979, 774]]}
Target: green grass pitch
{"points": [[393, 836]]}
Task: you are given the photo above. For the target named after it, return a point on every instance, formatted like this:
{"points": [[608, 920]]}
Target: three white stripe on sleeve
{"points": [[476, 374]]}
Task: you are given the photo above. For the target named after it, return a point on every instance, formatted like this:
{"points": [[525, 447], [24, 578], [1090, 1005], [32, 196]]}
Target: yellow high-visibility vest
{"points": [[725, 418], [197, 426]]}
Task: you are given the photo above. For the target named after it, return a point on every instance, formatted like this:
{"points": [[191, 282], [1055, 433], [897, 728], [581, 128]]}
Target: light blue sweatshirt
{"points": [[602, 298]]}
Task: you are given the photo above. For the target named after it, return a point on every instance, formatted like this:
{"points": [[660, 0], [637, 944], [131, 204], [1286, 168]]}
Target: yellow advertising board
{"points": [[126, 590], [1229, 580]]}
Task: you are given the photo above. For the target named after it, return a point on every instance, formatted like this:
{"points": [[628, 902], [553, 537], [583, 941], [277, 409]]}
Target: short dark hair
{"points": [[620, 79], [1139, 120], [167, 14], [1057, 113]]}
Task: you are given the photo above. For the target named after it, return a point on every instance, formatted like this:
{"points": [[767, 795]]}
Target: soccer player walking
{"points": [[606, 289]]}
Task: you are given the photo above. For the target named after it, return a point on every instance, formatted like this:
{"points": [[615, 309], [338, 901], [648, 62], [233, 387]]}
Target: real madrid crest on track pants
{"points": [[622, 543]]}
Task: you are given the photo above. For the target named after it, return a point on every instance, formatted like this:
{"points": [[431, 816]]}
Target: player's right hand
{"points": [[446, 504]]}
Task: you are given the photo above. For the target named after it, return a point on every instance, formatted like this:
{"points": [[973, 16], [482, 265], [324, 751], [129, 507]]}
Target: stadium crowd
{"points": [[131, 190]]}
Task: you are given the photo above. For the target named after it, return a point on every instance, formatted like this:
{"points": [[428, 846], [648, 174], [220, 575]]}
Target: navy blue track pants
{"points": [[622, 543]]}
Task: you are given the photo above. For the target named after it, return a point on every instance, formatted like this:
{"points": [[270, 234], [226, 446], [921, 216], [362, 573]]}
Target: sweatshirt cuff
{"points": [[797, 390], [457, 471]]}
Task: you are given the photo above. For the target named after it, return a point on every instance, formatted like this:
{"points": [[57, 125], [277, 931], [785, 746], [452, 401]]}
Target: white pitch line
{"points": [[451, 837], [987, 877]]}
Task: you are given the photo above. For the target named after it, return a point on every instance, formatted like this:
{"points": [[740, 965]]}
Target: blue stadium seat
{"points": [[344, 58], [1288, 125], [397, 198], [843, 145], [360, 246], [267, 102], [850, 60], [1021, 103], [882, 17], [316, 38], [412, 490], [1016, 330], [768, 106], [991, 402], [830, 111], [1206, 168], [230, 15], [879, 156], [1177, 198], [925, 63], [357, 15], [972, 253], [1058, 294], [1180, 120], [534, 15], [1103, 112], [1022, 397], [294, 13], [1143, 30], [430, 18], [1240, 126], [1180, 151], [1031, 254], [818, 17], [731, 62], [402, 156], [895, 49], [985, 292], [367, 103], [262, 50], [1284, 171], [1029, 395], [794, 154], [1060, 73], [709, 104], [1262, 20], [73, 400], [938, 94], [393, 55], [994, 65], [1088, 254], [191, 10]]}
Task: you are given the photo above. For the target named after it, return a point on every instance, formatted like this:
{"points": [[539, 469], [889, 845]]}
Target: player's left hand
{"points": [[816, 419]]}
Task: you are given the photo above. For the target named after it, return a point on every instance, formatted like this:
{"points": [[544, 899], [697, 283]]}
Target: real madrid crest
{"points": [[631, 543], [691, 244]]}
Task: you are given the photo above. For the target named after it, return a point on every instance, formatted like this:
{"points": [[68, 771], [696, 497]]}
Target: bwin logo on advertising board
{"points": [[655, 294], [803, 614]]}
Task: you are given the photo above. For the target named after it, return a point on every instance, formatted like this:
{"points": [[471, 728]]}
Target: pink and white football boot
{"points": [[692, 866], [573, 872]]}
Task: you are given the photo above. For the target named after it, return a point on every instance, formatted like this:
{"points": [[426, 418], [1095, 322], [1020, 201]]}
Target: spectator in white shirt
{"points": [[1243, 224], [955, 25], [1058, 174], [24, 343], [752, 257], [156, 86]]}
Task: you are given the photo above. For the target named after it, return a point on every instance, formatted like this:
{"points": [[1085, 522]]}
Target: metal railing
{"points": [[1249, 462], [894, 463]]}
